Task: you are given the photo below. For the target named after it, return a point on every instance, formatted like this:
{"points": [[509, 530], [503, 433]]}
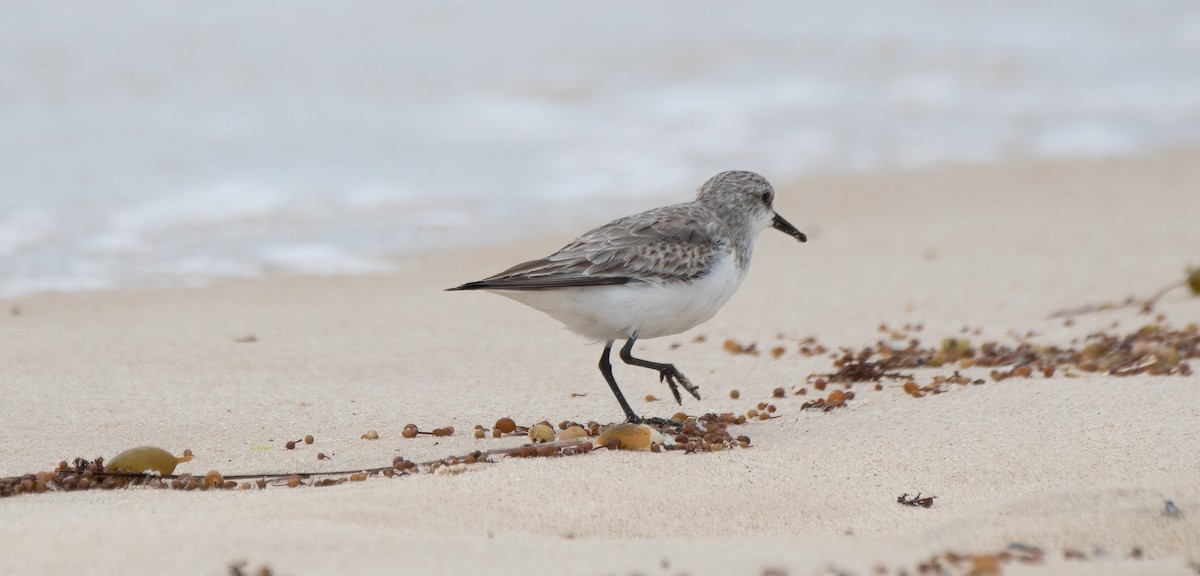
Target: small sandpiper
{"points": [[652, 274]]}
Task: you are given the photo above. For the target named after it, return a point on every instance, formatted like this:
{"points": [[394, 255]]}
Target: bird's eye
{"points": [[766, 198]]}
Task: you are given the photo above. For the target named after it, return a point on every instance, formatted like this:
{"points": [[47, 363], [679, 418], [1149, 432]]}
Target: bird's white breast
{"points": [[648, 309]]}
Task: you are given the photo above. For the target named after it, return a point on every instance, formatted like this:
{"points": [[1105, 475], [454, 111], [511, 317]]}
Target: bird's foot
{"points": [[657, 422], [661, 424], [674, 379]]}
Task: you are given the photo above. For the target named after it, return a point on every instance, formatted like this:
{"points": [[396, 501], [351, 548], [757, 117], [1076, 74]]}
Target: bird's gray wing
{"points": [[671, 244]]}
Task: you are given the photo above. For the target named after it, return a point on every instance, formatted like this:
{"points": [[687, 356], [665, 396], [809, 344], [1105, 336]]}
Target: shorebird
{"points": [[652, 274]]}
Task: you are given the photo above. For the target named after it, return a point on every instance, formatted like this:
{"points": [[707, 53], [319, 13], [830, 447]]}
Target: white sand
{"points": [[1059, 463]]}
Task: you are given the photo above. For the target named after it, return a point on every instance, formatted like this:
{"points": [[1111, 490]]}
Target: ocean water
{"points": [[147, 143]]}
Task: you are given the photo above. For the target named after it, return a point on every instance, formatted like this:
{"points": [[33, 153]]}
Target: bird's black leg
{"points": [[667, 372], [606, 370]]}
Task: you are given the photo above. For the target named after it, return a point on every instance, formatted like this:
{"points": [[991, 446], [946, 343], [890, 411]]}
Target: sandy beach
{"points": [[1080, 468]]}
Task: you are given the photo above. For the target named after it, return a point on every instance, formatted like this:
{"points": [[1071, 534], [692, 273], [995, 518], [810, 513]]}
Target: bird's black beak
{"points": [[784, 226]]}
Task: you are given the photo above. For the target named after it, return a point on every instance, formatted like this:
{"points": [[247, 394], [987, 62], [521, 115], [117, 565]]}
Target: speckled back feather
{"points": [[676, 243]]}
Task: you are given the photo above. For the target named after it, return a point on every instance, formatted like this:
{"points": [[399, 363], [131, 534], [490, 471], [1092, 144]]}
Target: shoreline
{"points": [[394, 263]]}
